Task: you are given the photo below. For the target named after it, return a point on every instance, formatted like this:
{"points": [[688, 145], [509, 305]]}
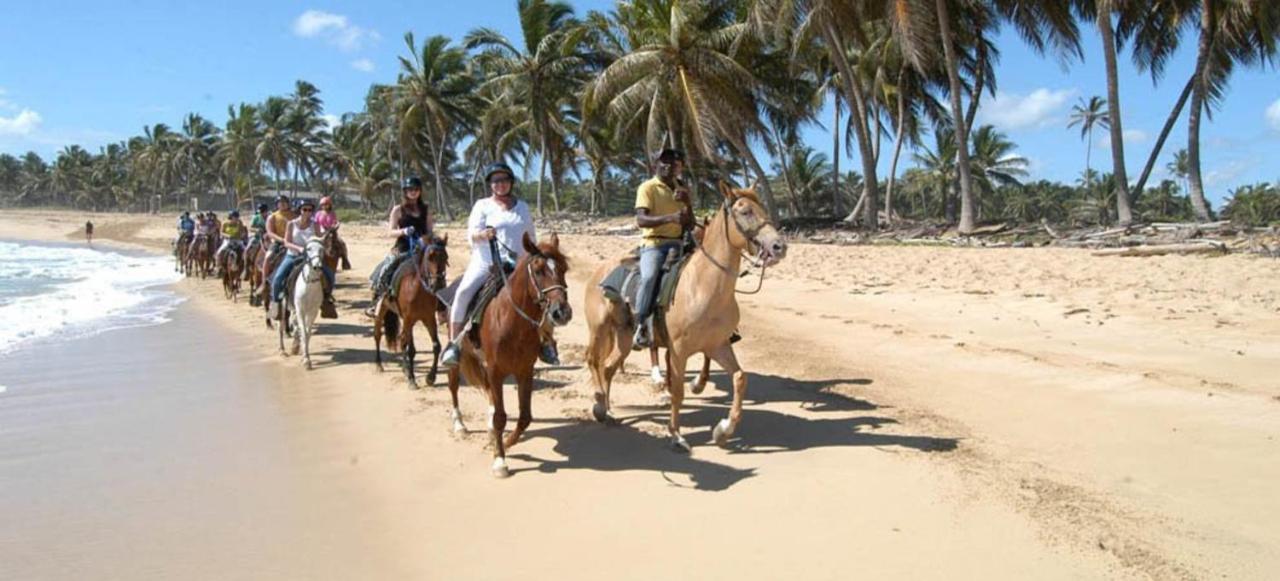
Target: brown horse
{"points": [[534, 300], [416, 300], [180, 249], [268, 267], [702, 316], [200, 256], [253, 266], [232, 265]]}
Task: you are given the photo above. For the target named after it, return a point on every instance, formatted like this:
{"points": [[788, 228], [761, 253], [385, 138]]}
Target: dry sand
{"points": [[912, 412]]}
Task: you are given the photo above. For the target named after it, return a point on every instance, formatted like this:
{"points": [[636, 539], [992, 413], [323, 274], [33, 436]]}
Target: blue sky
{"points": [[96, 72]]}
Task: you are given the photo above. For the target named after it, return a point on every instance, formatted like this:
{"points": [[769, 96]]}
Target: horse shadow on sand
{"points": [[639, 441]]}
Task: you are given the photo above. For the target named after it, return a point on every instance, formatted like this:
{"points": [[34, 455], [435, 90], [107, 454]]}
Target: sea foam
{"points": [[55, 292]]}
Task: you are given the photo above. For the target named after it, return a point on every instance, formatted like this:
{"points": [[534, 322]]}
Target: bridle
{"points": [[315, 261], [750, 234], [540, 292], [432, 284]]}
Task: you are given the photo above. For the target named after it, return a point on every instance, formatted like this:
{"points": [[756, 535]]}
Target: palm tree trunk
{"points": [[858, 114], [979, 80], [1117, 131], [957, 115], [897, 149], [1199, 206], [792, 194], [439, 171], [1164, 133], [835, 154], [542, 174], [1088, 171]]}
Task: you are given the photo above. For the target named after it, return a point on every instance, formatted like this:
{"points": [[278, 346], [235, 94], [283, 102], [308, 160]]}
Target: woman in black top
{"points": [[410, 218]]}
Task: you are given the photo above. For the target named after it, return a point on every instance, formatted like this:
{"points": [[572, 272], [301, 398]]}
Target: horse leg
{"points": [[701, 383], [725, 428], [455, 414], [524, 390], [611, 355], [410, 351], [675, 385], [281, 325], [304, 335], [497, 424], [377, 341], [295, 320], [434, 331]]}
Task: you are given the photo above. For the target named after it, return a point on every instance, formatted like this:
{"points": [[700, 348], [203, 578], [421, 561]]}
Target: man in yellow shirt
{"points": [[233, 232], [277, 223], [662, 213]]}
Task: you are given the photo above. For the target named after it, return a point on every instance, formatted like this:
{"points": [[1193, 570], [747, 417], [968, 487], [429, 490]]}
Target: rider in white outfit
{"points": [[501, 217]]}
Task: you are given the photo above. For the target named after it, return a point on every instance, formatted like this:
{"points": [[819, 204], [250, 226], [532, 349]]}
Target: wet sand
{"points": [[174, 452]]}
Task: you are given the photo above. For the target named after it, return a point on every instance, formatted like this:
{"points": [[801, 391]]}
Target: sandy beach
{"points": [[925, 413]]}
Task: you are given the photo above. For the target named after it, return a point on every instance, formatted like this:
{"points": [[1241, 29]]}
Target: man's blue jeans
{"points": [[651, 260], [277, 279]]}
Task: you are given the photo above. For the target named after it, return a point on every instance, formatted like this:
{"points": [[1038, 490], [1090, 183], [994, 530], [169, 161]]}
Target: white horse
{"points": [[304, 305]]}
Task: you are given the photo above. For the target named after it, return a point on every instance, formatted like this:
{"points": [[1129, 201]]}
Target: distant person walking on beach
{"points": [[88, 232]]}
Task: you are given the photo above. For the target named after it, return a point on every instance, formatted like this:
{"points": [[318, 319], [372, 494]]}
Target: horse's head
{"points": [[315, 253], [547, 268], [331, 242], [434, 262], [749, 225]]}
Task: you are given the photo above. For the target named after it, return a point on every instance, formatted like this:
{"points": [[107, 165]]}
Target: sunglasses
{"points": [[308, 209]]}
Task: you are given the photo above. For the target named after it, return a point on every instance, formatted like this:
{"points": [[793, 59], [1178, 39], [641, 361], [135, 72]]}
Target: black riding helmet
{"points": [[234, 214], [411, 183], [282, 198], [670, 156], [498, 167], [263, 207]]}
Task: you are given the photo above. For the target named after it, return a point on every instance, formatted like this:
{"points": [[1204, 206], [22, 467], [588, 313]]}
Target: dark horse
{"points": [[200, 256], [415, 300], [535, 299], [232, 264]]}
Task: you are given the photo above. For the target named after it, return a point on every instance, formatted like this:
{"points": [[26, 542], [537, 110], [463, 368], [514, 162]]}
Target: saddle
{"points": [[622, 284], [475, 310], [291, 279]]}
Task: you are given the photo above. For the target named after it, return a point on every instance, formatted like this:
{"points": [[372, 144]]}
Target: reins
{"points": [[506, 281]]}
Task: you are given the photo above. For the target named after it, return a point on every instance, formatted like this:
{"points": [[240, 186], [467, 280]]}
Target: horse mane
{"points": [[545, 250]]}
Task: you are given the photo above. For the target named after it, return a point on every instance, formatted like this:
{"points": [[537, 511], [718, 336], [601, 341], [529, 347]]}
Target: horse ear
{"points": [[554, 240], [755, 184], [727, 191], [444, 239], [529, 246]]}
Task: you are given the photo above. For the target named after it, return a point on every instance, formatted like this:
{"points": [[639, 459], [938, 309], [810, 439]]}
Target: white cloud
{"points": [[1273, 114], [1229, 174], [1040, 108], [23, 123], [1131, 137], [331, 120], [332, 28], [364, 65]]}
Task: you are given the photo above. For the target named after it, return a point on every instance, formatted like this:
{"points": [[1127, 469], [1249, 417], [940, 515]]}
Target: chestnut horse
{"points": [[416, 300], [534, 300], [200, 256], [701, 318]]}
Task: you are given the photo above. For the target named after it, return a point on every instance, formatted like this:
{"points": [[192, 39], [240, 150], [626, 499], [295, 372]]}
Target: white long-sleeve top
{"points": [[510, 226]]}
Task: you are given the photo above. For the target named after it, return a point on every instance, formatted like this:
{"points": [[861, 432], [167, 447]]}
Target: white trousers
{"points": [[472, 280]]}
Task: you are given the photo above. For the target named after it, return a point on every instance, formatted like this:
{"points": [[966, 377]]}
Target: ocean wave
{"points": [[50, 292]]}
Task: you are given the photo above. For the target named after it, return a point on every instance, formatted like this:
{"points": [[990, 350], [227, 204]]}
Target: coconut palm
{"points": [[1180, 167], [681, 82], [1087, 115], [1232, 32], [193, 152], [236, 151], [540, 76], [434, 98], [276, 145]]}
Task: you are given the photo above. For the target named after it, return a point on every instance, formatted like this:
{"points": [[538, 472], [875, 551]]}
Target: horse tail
{"points": [[391, 329]]}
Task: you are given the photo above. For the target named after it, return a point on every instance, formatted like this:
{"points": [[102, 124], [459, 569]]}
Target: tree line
{"points": [[583, 102]]}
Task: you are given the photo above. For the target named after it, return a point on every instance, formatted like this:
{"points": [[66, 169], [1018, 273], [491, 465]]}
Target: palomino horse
{"points": [[232, 265], [301, 307], [416, 300], [702, 316], [534, 299]]}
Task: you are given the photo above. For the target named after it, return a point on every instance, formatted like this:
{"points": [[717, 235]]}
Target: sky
{"points": [[92, 73]]}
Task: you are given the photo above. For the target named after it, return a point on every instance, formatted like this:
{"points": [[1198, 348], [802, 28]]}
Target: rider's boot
{"points": [[642, 339]]}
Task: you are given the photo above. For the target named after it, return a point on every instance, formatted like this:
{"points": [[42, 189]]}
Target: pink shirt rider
{"points": [[326, 220]]}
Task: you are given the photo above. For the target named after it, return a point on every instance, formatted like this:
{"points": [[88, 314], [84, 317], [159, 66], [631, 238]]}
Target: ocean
{"points": [[56, 292]]}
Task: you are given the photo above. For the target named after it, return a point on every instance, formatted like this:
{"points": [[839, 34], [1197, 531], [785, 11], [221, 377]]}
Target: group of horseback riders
{"points": [[495, 229]]}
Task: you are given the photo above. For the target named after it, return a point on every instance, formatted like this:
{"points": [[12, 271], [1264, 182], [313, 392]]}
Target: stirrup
{"points": [[549, 354], [641, 340], [451, 355]]}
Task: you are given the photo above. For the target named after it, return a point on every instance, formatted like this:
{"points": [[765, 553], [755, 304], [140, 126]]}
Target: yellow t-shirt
{"points": [[660, 200], [279, 221], [232, 230]]}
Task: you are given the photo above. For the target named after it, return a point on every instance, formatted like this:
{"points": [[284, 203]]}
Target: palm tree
{"points": [[1180, 167], [994, 161], [682, 82], [434, 98], [236, 152], [1231, 32], [540, 76], [1086, 115], [276, 145], [1102, 17], [193, 152]]}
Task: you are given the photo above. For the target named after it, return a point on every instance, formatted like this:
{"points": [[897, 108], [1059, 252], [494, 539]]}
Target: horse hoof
{"points": [[698, 387], [499, 469], [679, 444], [664, 398], [602, 415], [412, 383], [721, 433], [307, 364], [431, 379]]}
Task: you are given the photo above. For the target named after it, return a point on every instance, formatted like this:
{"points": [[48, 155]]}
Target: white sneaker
{"points": [[657, 376]]}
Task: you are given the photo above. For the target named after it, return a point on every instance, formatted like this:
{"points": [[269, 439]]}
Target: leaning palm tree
{"points": [[236, 155], [1231, 32], [994, 161], [275, 146], [541, 75], [1087, 115]]}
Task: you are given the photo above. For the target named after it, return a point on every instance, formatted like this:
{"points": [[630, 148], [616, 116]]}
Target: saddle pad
{"points": [[292, 278], [475, 310], [623, 283], [403, 270]]}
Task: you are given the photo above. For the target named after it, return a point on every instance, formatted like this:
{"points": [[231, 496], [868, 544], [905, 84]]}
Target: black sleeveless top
{"points": [[419, 223]]}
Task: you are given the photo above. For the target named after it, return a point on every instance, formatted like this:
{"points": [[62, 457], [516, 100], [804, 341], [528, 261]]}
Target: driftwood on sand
{"points": [[1198, 247]]}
